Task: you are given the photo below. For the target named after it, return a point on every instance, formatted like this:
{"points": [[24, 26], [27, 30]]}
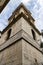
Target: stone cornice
{"points": [[18, 36]]}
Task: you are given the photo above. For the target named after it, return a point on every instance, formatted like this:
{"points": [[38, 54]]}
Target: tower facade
{"points": [[19, 43]]}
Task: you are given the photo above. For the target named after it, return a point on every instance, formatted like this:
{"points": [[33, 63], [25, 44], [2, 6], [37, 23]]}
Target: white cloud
{"points": [[37, 12], [25, 1], [41, 2]]}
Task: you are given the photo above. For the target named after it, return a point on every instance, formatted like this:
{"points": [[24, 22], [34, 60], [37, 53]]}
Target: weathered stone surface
{"points": [[12, 55], [29, 54], [20, 24], [20, 48], [20, 53], [20, 35]]}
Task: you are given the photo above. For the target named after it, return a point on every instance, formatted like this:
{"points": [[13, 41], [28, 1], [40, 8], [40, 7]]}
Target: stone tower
{"points": [[20, 40]]}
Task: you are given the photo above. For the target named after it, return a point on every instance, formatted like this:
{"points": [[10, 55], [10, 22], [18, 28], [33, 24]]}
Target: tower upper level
{"points": [[21, 9]]}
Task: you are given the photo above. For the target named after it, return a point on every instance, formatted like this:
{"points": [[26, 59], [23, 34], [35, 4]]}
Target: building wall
{"points": [[27, 27], [23, 24], [2, 2], [20, 24], [12, 55], [15, 28], [29, 54], [21, 49], [20, 53]]}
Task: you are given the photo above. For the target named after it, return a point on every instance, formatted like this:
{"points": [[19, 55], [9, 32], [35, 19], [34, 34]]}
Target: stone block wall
{"points": [[20, 53], [12, 55], [30, 54], [19, 25]]}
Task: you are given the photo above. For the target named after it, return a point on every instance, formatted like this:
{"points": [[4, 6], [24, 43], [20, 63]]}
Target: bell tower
{"points": [[18, 42]]}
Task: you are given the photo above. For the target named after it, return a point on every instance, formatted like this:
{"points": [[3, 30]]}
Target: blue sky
{"points": [[35, 7]]}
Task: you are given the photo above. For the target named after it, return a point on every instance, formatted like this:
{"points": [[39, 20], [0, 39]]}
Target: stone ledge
{"points": [[20, 35]]}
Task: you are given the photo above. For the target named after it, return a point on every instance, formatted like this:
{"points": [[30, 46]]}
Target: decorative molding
{"points": [[20, 35]]}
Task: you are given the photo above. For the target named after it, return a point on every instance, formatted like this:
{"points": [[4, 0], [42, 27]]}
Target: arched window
{"points": [[0, 34], [8, 34], [33, 33], [41, 45]]}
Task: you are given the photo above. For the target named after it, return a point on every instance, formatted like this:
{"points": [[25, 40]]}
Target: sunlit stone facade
{"points": [[20, 40]]}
